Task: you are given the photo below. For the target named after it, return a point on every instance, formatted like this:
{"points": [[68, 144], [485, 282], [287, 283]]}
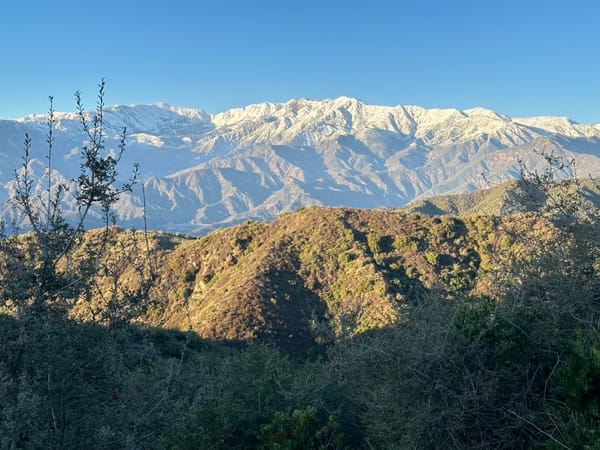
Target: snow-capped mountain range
{"points": [[200, 170]]}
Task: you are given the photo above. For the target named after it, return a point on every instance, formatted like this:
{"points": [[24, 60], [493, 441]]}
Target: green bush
{"points": [[302, 429], [432, 258]]}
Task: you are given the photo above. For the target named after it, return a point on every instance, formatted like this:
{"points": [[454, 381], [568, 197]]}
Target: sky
{"points": [[521, 58]]}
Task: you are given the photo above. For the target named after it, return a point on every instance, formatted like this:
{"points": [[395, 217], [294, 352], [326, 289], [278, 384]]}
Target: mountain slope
{"points": [[507, 198], [320, 274], [202, 171]]}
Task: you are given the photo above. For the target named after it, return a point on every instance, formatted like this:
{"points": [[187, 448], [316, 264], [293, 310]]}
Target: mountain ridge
{"points": [[201, 171], [262, 109]]}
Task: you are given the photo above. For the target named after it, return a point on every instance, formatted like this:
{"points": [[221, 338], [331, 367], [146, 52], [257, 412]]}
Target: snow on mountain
{"points": [[205, 170]]}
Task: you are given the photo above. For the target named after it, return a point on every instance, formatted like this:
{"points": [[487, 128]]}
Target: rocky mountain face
{"points": [[201, 171]]}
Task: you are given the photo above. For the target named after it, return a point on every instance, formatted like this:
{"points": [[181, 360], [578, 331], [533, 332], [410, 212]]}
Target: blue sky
{"points": [[521, 58]]}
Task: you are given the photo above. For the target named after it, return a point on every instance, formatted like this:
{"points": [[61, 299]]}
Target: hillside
{"points": [[322, 274], [507, 198], [336, 327]]}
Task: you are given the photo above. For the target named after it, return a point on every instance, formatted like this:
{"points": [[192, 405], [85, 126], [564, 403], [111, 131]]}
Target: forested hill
{"points": [[321, 274]]}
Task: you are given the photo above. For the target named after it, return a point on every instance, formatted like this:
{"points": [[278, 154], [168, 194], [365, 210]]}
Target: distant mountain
{"points": [[508, 198], [496, 201], [201, 171]]}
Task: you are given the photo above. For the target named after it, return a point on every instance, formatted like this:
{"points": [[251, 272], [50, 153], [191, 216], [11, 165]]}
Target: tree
{"points": [[48, 269], [571, 283], [50, 280]]}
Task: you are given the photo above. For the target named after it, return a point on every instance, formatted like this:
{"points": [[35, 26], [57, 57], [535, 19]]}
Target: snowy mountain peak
{"points": [[205, 170], [484, 112], [346, 102], [247, 113], [43, 118], [155, 118], [192, 113]]}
